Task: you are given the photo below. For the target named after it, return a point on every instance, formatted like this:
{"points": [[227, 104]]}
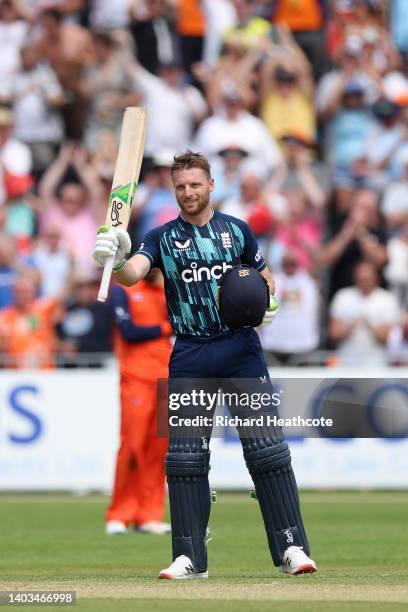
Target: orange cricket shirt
{"points": [[147, 360], [299, 15]]}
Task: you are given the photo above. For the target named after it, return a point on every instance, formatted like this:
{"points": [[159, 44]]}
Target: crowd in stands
{"points": [[301, 107]]}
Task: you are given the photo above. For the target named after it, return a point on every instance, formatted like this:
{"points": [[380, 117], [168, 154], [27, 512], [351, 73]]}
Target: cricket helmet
{"points": [[243, 297]]}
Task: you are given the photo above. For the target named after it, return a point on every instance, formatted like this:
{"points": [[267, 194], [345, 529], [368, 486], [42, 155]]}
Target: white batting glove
{"points": [[271, 311], [111, 242]]}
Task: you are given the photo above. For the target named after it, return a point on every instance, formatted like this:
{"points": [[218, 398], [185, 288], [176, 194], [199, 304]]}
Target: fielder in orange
{"points": [[142, 346]]}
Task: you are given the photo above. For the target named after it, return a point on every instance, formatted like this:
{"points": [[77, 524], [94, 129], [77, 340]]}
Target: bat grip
{"points": [[106, 276]]}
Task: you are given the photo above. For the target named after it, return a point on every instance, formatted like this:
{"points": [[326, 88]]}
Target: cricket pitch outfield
{"points": [[359, 540]]}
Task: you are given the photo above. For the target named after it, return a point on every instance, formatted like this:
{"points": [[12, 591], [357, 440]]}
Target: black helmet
{"points": [[243, 297]]}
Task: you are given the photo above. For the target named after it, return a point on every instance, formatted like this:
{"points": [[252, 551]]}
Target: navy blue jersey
{"points": [[192, 260]]}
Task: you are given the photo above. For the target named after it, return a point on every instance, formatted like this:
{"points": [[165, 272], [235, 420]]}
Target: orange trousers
{"points": [[138, 493]]}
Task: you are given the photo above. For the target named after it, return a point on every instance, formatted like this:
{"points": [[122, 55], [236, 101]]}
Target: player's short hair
{"points": [[188, 160]]}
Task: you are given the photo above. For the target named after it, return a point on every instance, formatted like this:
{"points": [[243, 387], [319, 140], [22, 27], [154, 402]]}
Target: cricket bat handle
{"points": [[106, 276]]}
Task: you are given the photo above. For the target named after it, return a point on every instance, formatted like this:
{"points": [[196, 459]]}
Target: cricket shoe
{"points": [[182, 568], [154, 527], [115, 528], [296, 562]]}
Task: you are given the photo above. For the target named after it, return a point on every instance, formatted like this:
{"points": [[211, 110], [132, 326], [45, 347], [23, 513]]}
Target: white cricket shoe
{"points": [[182, 569], [154, 527], [115, 528], [295, 562]]}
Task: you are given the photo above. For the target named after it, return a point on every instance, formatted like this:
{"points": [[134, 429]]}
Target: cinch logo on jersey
{"points": [[196, 274]]}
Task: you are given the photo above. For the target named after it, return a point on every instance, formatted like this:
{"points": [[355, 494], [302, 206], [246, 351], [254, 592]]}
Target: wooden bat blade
{"points": [[125, 179]]}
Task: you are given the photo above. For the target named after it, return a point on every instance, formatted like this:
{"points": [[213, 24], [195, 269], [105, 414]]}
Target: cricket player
{"points": [[193, 252], [142, 346]]}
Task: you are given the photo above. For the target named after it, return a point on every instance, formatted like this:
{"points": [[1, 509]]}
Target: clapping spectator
{"points": [[75, 207], [358, 234], [361, 318], [286, 89]]}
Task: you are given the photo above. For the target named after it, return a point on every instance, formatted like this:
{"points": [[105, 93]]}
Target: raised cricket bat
{"points": [[126, 176]]}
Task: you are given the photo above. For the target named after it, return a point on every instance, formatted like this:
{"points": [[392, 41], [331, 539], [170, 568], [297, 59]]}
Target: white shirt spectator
{"points": [[296, 328], [395, 198], [172, 113], [329, 83], [246, 132], [379, 307], [34, 119], [15, 158], [105, 14], [13, 36], [220, 16], [397, 346], [55, 269]]}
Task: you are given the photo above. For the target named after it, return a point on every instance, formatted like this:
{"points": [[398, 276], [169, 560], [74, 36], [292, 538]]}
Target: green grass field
{"points": [[359, 540]]}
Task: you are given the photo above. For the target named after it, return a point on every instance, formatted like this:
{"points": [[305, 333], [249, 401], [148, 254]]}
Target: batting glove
{"points": [[271, 311], [111, 242]]}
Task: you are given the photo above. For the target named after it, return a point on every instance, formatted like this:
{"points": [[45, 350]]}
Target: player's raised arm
{"points": [[117, 244]]}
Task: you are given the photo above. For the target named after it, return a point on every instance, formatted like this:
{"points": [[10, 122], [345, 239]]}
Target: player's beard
{"points": [[196, 205]]}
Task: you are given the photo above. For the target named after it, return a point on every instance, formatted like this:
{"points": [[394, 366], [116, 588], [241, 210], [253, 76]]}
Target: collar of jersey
{"points": [[193, 224]]}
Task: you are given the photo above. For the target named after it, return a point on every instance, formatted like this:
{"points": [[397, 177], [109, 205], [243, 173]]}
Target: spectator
{"points": [[35, 95], [110, 88], [13, 35], [331, 87], [301, 171], [306, 20], [300, 231], [396, 272], [296, 331], [154, 34], [156, 204], [287, 91], [15, 156], [106, 15], [55, 263], [27, 336], [75, 207], [394, 205], [233, 124], [348, 131], [84, 328], [397, 345], [68, 49], [358, 234], [168, 96], [20, 217], [11, 267], [250, 28], [251, 206], [220, 16], [191, 27], [234, 69], [361, 318], [226, 171]]}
